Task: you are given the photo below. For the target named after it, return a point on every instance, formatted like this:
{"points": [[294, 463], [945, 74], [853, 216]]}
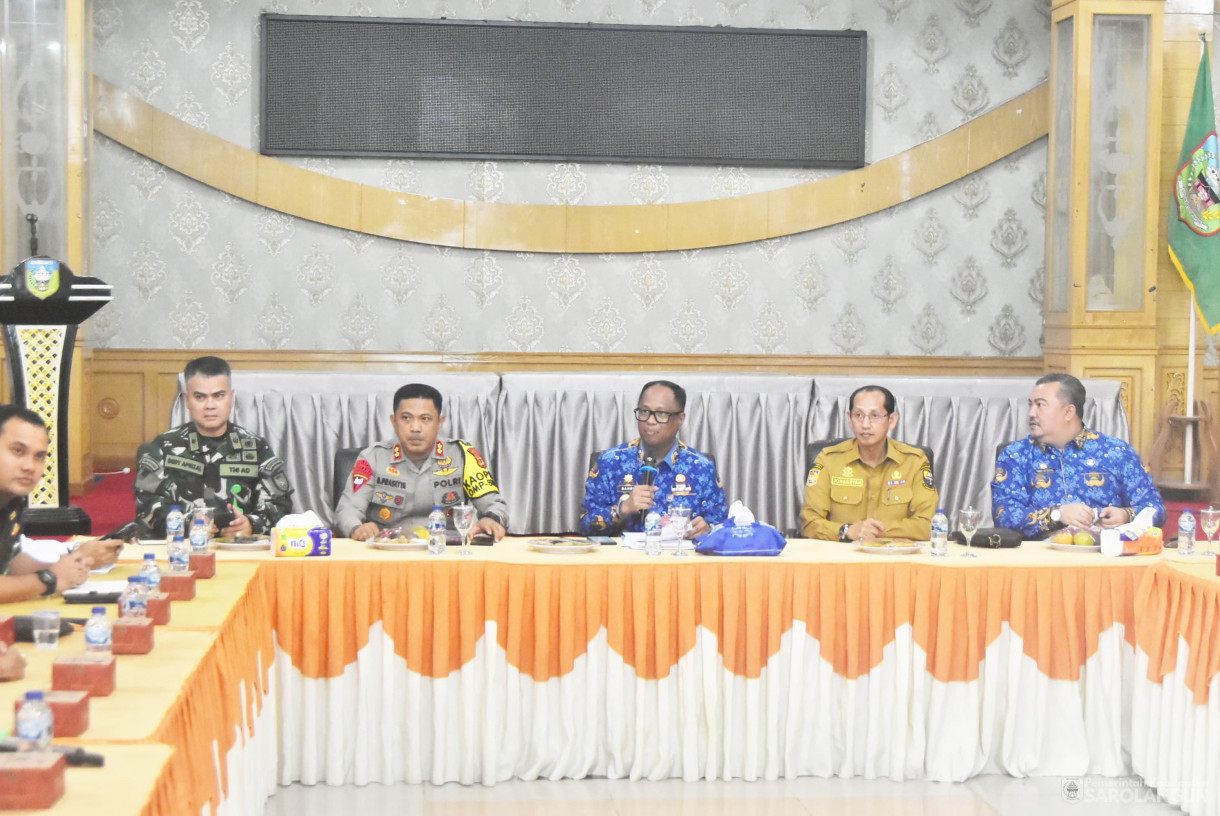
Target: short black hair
{"points": [[1071, 390], [9, 411], [890, 404], [678, 391], [207, 367], [418, 391]]}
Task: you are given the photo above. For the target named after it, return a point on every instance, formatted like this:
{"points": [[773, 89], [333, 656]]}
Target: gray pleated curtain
{"points": [[537, 430]]}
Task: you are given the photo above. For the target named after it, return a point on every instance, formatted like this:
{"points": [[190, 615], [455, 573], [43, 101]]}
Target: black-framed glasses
{"points": [[661, 417]]}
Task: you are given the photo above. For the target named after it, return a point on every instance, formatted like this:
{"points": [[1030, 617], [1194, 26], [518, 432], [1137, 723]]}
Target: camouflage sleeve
{"points": [[274, 492], [353, 504], [154, 491]]}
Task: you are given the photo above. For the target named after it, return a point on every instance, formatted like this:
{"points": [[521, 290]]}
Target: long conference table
{"points": [[374, 666]]}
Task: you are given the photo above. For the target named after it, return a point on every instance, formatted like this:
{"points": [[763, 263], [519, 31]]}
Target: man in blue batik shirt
{"points": [[1064, 474], [615, 500]]}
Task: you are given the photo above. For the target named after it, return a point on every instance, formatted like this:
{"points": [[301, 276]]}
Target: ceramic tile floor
{"points": [[981, 796]]}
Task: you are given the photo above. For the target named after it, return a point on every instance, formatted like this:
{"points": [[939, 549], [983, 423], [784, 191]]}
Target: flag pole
{"points": [[1188, 454], [1188, 468]]}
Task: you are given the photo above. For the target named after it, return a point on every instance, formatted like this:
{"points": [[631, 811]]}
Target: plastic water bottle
{"points": [[199, 536], [134, 601], [99, 632], [652, 532], [436, 531], [151, 572], [179, 552], [940, 533], [1186, 533], [173, 524], [35, 723]]}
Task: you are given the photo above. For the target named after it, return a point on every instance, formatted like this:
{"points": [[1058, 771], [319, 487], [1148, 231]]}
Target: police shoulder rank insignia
{"points": [[385, 513], [440, 449], [477, 456], [362, 471], [396, 454], [42, 277]]}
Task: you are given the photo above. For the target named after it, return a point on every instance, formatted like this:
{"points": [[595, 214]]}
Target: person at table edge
{"points": [[24, 442], [869, 486], [1065, 474], [615, 501], [209, 458], [396, 483]]}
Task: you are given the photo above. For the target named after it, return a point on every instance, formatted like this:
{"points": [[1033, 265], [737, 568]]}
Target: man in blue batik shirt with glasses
{"points": [[616, 500]]}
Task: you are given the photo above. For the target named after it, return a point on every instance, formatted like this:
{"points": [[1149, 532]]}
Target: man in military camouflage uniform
{"points": [[396, 483], [233, 470]]}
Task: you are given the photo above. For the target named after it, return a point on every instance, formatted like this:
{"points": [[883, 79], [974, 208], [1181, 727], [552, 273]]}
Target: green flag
{"points": [[1194, 220]]}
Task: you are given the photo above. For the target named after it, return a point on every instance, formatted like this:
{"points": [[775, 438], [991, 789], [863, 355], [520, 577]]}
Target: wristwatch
{"points": [[1055, 515], [843, 536], [49, 581]]}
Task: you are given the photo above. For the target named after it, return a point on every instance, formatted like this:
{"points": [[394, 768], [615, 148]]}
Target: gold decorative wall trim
{"points": [[271, 183]]}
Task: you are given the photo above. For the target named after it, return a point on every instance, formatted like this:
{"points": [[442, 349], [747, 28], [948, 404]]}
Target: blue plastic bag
{"points": [[755, 538]]}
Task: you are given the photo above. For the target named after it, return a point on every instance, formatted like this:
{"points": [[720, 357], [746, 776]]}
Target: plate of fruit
{"points": [[1075, 539]]}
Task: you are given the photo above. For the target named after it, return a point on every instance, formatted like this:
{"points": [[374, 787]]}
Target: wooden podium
{"points": [[41, 305]]}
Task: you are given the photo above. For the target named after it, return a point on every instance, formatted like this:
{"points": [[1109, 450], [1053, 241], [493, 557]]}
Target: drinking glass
{"points": [[1211, 523], [46, 628], [968, 521], [679, 520], [463, 520]]}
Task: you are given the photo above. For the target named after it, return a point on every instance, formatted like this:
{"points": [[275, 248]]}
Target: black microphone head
{"points": [[648, 473]]}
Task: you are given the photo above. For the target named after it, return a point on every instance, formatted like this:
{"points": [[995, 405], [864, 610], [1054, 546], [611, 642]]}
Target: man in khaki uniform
{"points": [[870, 486]]}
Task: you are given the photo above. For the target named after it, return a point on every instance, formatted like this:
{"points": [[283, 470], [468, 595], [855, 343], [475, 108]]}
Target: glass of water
{"points": [[463, 520], [968, 520], [45, 623], [1210, 519], [679, 521]]}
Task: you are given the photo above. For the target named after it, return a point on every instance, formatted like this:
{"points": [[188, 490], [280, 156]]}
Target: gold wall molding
{"points": [[132, 391], [272, 183]]}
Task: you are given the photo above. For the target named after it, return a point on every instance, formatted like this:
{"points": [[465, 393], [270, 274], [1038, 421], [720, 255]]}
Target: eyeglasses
{"points": [[863, 418], [661, 417]]}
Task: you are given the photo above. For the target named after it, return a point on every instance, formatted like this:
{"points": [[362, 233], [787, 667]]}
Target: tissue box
{"points": [[203, 564], [132, 636], [178, 586], [31, 780], [94, 674], [297, 542], [70, 709], [1150, 543]]}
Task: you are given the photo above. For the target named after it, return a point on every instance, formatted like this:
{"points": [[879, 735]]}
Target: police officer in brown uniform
{"points": [[396, 483], [870, 486]]}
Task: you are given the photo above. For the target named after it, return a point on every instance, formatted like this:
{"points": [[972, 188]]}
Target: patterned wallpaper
{"points": [[955, 272]]}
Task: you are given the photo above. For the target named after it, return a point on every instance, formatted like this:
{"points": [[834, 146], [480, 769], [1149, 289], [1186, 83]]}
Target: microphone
{"points": [[648, 472]]}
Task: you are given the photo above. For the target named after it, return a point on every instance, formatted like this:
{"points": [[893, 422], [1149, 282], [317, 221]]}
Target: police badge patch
{"points": [[361, 473]]}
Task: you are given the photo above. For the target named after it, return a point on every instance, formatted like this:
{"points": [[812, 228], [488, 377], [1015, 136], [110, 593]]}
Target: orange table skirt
{"points": [[435, 612]]}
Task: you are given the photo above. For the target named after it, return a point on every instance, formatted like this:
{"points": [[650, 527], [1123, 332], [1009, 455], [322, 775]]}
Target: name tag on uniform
{"points": [[180, 463], [845, 481], [239, 471]]}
